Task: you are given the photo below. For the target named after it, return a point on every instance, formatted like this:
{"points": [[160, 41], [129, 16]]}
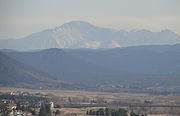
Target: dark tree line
{"points": [[112, 112], [137, 114], [107, 112]]}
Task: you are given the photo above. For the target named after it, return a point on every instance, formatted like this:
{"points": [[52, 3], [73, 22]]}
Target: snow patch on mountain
{"points": [[79, 34]]}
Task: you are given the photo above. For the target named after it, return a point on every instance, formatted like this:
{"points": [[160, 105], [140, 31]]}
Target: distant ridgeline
{"points": [[127, 67], [79, 34]]}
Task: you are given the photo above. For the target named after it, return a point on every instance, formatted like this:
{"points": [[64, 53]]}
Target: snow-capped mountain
{"points": [[79, 34]]}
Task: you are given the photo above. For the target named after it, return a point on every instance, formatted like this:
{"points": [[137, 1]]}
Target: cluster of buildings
{"points": [[18, 103], [19, 113]]}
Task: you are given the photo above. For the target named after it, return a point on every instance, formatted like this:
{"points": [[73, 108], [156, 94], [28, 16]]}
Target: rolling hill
{"points": [[145, 60], [152, 68], [60, 65], [87, 64], [17, 74]]}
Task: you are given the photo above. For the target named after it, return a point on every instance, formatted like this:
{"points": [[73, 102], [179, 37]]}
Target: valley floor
{"points": [[71, 102]]}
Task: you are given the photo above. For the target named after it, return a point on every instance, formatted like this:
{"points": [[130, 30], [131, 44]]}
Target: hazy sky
{"points": [[19, 18]]}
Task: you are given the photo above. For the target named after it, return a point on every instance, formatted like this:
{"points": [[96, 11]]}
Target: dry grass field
{"points": [[164, 99], [82, 112], [78, 111], [118, 98]]}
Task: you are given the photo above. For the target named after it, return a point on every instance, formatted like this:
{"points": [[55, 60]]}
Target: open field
{"points": [[82, 112], [78, 102], [139, 97]]}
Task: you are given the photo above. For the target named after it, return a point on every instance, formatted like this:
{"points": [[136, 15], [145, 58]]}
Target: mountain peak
{"points": [[81, 34], [140, 31], [76, 24]]}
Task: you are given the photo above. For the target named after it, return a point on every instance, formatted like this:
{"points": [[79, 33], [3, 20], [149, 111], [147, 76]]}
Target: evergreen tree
{"points": [[107, 111], [90, 112], [45, 110], [57, 112], [87, 113]]}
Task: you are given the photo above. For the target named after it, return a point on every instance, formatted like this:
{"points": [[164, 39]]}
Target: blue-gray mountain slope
{"points": [[84, 64]]}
